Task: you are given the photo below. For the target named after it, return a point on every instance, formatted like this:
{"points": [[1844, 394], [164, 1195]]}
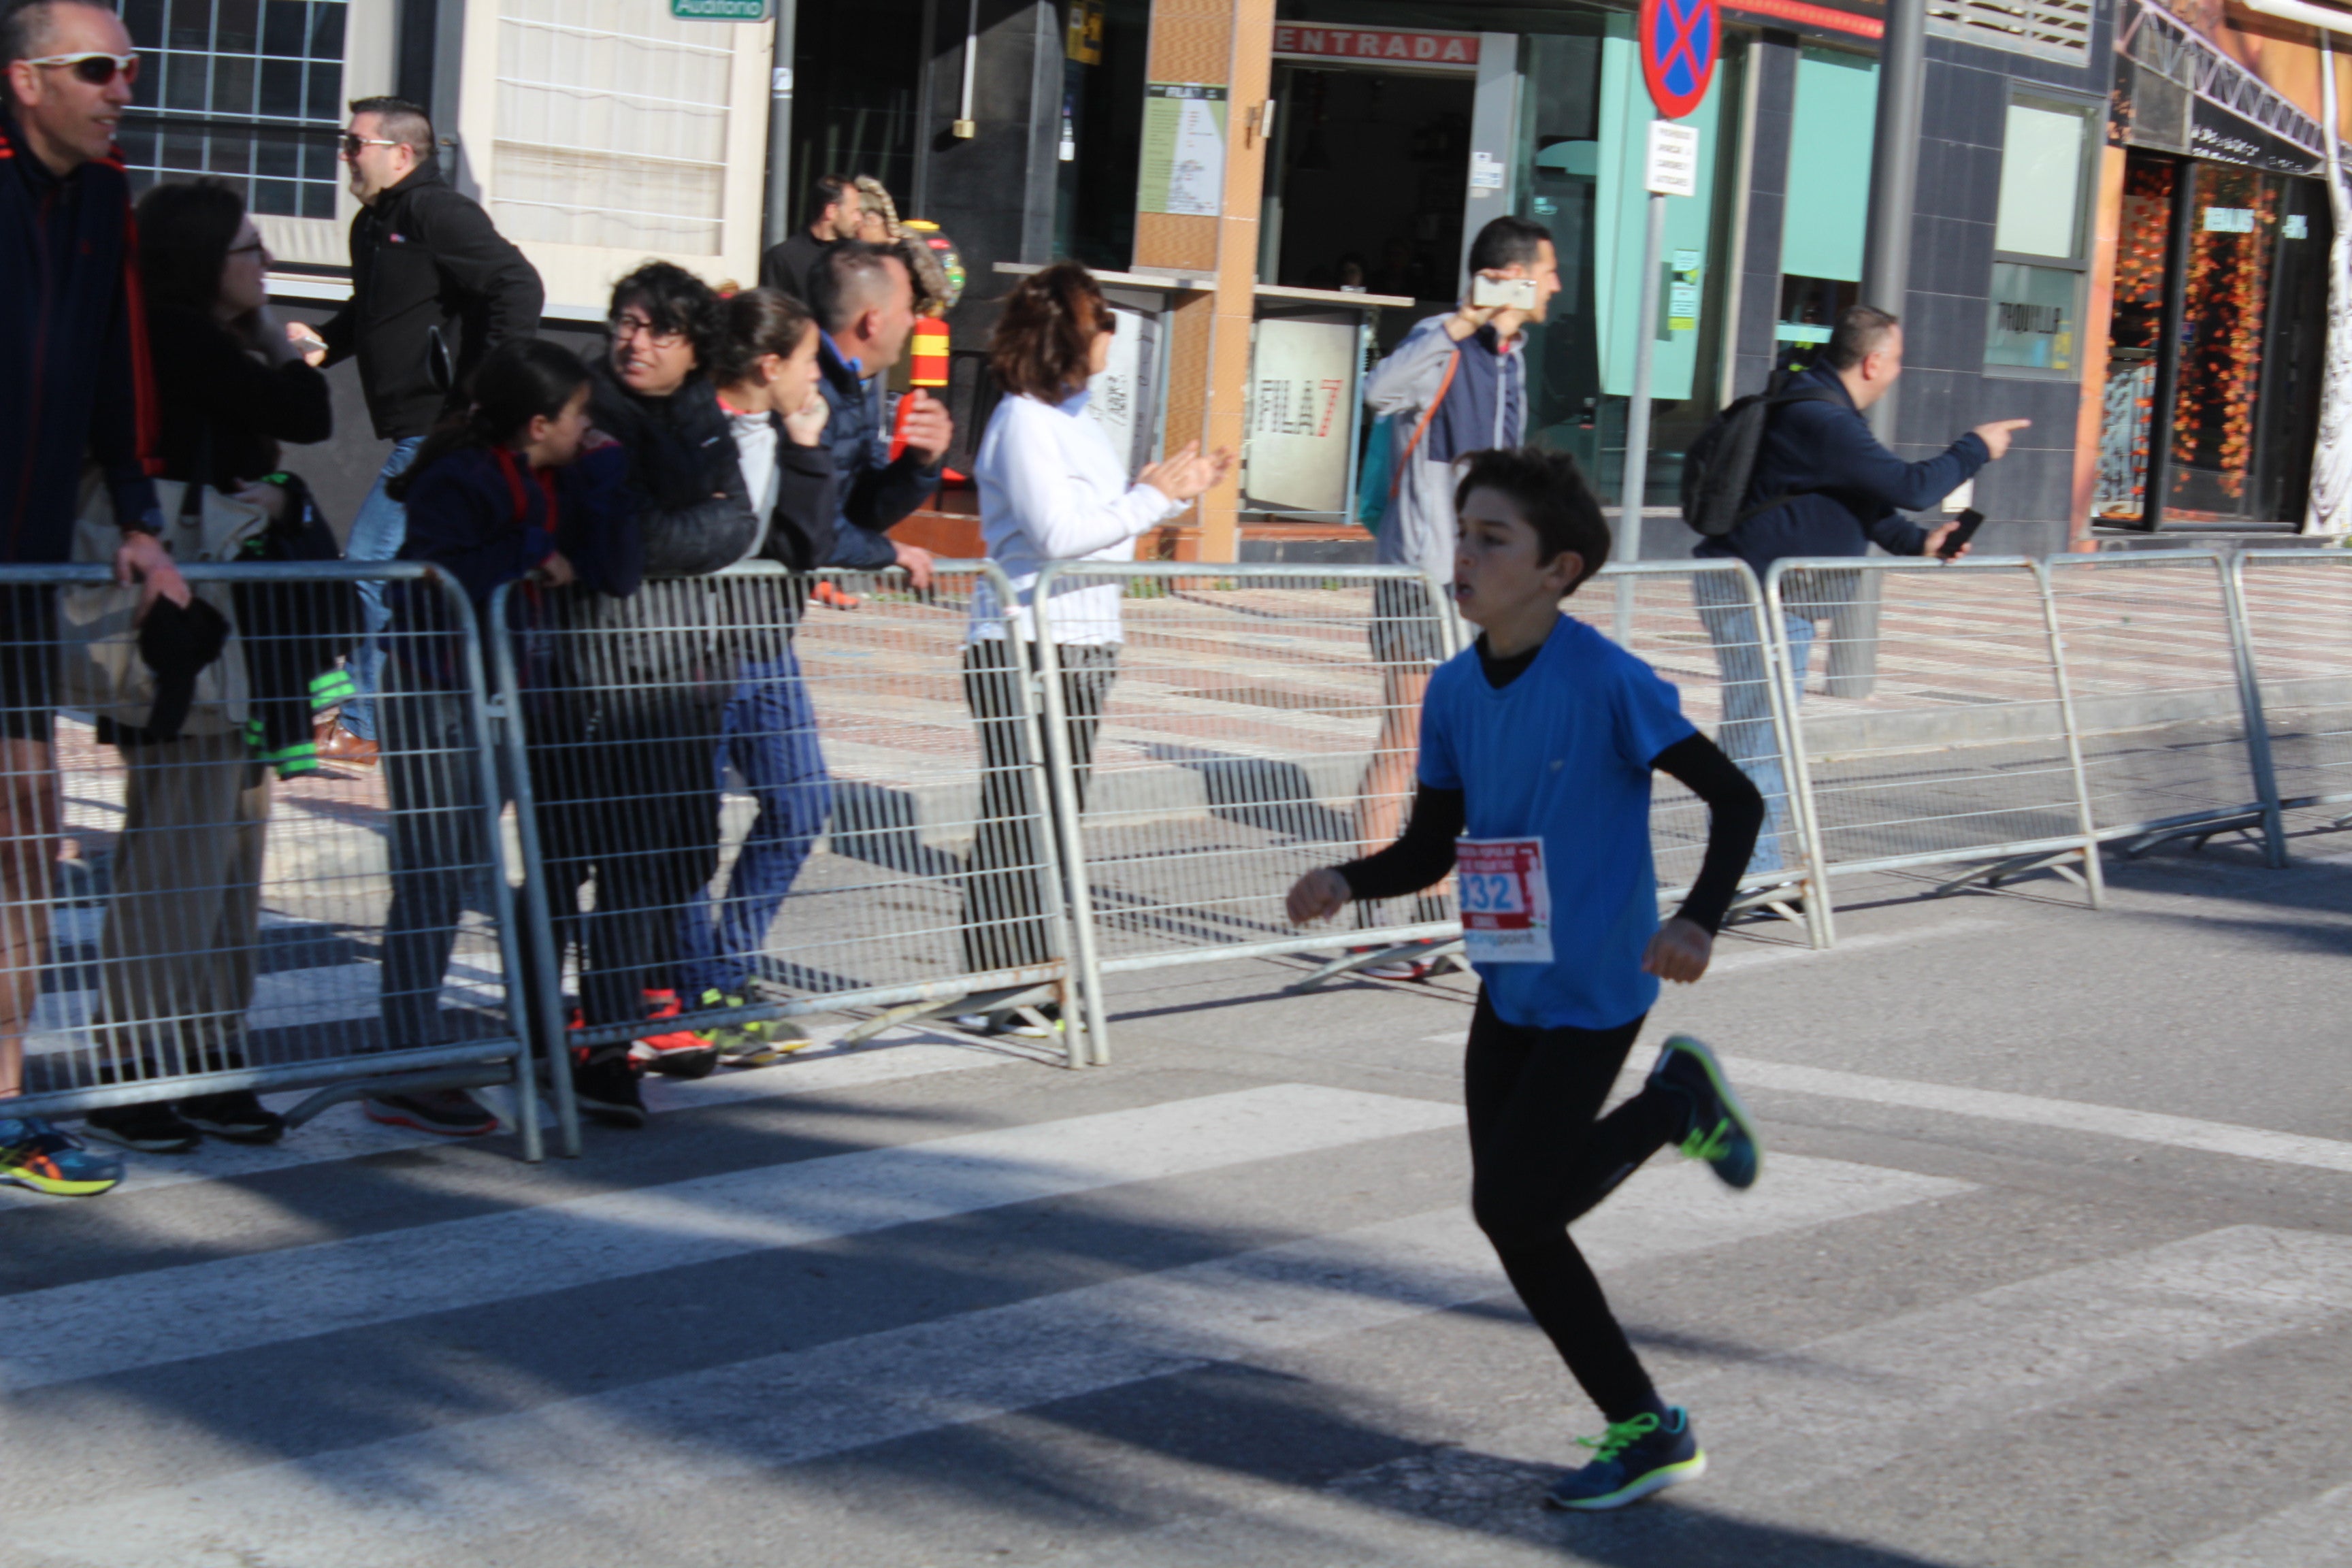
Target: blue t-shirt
{"points": [[1563, 754]]}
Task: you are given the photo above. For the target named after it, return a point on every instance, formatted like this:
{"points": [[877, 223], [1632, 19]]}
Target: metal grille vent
{"points": [[2050, 29]]}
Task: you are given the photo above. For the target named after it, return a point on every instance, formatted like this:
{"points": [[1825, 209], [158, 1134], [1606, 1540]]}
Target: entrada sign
{"points": [[1376, 43]]}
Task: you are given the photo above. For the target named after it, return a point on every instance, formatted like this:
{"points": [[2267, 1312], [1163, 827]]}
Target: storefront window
{"points": [[2033, 321], [1829, 136], [2143, 235], [2250, 265]]}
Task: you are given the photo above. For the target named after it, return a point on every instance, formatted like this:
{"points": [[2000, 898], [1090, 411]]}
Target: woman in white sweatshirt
{"points": [[1050, 489]]}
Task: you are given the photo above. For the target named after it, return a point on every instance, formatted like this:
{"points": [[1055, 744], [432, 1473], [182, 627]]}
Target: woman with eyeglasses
{"points": [[1050, 489], [178, 952], [629, 802]]}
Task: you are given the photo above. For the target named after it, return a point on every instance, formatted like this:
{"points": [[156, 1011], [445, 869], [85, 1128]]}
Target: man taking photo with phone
{"points": [[1455, 384], [1822, 485]]}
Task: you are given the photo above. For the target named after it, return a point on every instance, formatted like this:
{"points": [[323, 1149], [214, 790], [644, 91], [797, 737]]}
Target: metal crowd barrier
{"points": [[853, 816], [1964, 750], [1215, 731], [2295, 607], [2166, 718], [1701, 625], [176, 919]]}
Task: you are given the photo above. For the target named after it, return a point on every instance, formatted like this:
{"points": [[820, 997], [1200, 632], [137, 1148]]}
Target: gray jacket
{"points": [[1484, 406]]}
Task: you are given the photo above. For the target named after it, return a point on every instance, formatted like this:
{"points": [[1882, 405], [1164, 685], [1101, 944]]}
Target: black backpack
{"points": [[1721, 463]]}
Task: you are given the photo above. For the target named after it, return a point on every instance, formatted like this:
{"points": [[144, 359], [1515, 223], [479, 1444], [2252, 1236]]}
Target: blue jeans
{"points": [[769, 735], [377, 534], [1747, 733]]}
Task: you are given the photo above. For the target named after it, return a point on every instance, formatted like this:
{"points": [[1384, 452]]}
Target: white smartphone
{"points": [[1510, 293]]}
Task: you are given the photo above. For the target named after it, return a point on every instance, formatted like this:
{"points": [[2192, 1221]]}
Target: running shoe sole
{"points": [[395, 1116], [1728, 1098], [688, 1062], [1634, 1490], [59, 1187], [139, 1145]]}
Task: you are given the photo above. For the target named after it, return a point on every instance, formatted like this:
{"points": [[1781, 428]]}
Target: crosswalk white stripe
{"points": [[1860, 1400], [368, 1505], [142, 1320], [2312, 1534], [345, 1135], [2067, 1115]]}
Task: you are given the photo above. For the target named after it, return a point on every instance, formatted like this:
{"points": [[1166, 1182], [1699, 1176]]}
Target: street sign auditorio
{"points": [[719, 10], [1680, 39]]}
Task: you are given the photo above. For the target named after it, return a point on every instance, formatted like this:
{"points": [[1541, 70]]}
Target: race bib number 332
{"points": [[1506, 901]]}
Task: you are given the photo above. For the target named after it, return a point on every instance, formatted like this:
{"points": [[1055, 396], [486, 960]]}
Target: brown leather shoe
{"points": [[339, 745]]}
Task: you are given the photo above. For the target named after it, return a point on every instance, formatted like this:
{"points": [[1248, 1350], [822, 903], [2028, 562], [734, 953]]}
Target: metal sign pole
{"points": [[1634, 492]]}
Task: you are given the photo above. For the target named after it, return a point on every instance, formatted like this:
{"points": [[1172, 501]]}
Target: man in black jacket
{"points": [[864, 300], [835, 210], [434, 288], [74, 390], [1839, 492]]}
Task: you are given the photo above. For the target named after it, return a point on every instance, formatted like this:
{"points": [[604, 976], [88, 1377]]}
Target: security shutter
{"points": [[2049, 29]]}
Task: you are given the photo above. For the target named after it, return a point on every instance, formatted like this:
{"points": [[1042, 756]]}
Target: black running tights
{"points": [[1541, 1154]]}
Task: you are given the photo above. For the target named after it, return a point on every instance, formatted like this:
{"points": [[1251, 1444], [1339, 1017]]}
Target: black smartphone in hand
{"points": [[1962, 532]]}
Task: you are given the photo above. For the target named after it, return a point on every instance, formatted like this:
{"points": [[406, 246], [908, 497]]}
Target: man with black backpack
{"points": [[1795, 471]]}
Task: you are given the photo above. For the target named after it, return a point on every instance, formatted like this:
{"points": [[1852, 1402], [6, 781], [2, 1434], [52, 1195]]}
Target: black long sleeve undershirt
{"points": [[1424, 854]]}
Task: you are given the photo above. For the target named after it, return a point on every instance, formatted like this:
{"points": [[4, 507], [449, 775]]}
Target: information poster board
{"points": [[1302, 414], [1120, 399], [1184, 149]]}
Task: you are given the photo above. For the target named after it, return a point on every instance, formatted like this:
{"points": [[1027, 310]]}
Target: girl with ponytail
{"points": [[520, 483], [521, 486]]}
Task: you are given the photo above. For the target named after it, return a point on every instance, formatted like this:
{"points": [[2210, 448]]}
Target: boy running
{"points": [[1537, 748]]}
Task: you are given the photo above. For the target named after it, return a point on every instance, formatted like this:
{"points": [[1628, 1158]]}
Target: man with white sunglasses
{"points": [[74, 394]]}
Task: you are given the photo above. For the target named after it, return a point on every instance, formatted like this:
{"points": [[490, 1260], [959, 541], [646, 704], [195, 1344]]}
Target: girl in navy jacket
{"points": [[522, 486]]}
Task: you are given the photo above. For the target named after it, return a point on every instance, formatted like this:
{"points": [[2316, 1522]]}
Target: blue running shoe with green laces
{"points": [[1720, 1131], [1631, 1461], [34, 1153]]}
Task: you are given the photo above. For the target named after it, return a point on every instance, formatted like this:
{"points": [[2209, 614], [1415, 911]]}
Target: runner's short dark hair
{"points": [[1507, 241], [402, 121], [1550, 491], [1859, 329]]}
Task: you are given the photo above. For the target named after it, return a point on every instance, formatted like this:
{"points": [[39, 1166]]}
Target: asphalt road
{"points": [[2050, 1263]]}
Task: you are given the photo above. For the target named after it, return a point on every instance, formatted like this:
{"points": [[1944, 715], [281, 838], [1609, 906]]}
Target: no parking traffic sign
{"points": [[1680, 39]]}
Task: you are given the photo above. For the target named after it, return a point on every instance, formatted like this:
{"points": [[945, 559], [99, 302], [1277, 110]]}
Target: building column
{"points": [[1227, 43]]}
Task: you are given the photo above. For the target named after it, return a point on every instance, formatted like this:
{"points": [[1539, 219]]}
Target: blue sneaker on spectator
{"points": [[1632, 1459], [34, 1153]]}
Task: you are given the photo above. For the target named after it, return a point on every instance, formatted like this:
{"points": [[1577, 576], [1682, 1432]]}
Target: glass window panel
{"points": [[327, 91], [2033, 321], [319, 160], [283, 26], [144, 19], [281, 198], [184, 150], [236, 25], [232, 84], [231, 155], [184, 83], [318, 200], [2042, 182], [277, 156], [192, 25], [327, 30], [281, 88]]}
